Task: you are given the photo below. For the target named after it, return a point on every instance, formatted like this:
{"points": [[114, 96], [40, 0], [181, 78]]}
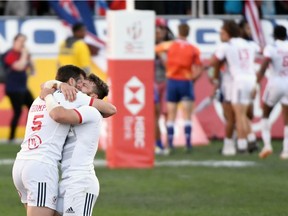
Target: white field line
{"points": [[174, 163]]}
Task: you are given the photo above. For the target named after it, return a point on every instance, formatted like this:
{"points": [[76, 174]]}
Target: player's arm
{"points": [[163, 47], [263, 69], [60, 114], [68, 91], [105, 108], [197, 66], [267, 53]]}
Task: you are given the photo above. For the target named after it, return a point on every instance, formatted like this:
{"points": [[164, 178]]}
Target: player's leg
{"points": [[187, 106], [241, 96], [272, 94], [18, 181], [242, 126], [159, 145], [186, 89], [37, 211], [28, 99], [284, 153], [172, 103], [251, 137], [41, 181], [171, 116], [17, 100], [265, 132], [229, 148]]}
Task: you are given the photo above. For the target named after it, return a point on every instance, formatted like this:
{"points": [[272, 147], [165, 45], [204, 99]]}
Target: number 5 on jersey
{"points": [[37, 122]]}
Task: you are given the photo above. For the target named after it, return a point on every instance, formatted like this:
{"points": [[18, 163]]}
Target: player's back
{"points": [[44, 138], [278, 53], [240, 56], [180, 58], [82, 143]]}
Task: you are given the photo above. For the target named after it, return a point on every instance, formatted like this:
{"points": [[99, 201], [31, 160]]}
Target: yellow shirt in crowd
{"points": [[75, 52]]}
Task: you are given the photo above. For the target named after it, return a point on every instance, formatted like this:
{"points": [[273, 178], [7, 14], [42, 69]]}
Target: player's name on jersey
{"points": [[37, 108]]}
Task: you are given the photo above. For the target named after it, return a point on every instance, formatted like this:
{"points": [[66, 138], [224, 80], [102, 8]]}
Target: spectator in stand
{"points": [[74, 50], [281, 7], [17, 8], [233, 7], [162, 34], [183, 67], [17, 61]]}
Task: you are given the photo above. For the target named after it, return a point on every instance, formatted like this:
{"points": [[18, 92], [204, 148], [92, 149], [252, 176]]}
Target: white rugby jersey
{"points": [[82, 143], [239, 55], [278, 53], [44, 138]]}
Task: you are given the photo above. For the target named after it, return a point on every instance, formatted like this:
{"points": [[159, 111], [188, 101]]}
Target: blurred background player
{"points": [[163, 33], [245, 32], [17, 63], [74, 49], [239, 55], [276, 89], [183, 68]]}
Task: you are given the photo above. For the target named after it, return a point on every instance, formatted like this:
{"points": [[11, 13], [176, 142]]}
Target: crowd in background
{"points": [[164, 7]]}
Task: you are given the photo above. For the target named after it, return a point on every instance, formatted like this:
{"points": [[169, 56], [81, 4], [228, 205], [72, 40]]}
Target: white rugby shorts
{"points": [[78, 195], [226, 87], [276, 90], [36, 183], [242, 90]]}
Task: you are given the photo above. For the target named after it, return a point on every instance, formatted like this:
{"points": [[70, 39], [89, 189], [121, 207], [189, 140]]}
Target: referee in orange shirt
{"points": [[183, 67]]}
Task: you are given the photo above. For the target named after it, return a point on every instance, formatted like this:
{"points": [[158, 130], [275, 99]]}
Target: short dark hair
{"points": [[77, 26], [101, 88], [231, 27], [183, 29], [66, 72], [280, 32]]}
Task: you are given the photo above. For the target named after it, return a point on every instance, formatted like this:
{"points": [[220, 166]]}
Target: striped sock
{"points": [[188, 132], [170, 133]]}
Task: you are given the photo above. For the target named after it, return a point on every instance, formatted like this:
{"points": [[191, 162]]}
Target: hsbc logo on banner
{"points": [[134, 95]]}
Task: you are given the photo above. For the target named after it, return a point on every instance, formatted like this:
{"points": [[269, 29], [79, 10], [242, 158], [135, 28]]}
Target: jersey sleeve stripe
{"points": [[79, 115], [91, 102]]}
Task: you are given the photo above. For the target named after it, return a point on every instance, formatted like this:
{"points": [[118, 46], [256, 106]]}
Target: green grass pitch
{"points": [[199, 189]]}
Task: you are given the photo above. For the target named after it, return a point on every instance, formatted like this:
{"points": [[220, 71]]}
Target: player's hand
{"points": [[68, 91], [45, 91]]}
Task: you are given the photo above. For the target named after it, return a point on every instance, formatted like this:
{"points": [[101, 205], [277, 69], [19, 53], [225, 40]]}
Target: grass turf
{"points": [[259, 190]]}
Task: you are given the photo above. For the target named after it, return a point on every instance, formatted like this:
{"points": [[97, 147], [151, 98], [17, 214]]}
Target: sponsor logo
{"points": [[54, 199], [70, 210], [134, 95], [135, 30], [34, 142]]}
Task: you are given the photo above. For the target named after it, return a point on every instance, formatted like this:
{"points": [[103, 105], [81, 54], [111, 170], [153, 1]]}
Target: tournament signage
{"points": [[131, 74]]}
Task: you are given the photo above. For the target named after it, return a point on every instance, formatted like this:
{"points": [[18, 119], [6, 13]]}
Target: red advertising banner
{"points": [[131, 131]]}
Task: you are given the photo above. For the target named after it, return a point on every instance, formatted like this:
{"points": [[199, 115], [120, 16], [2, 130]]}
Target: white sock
{"points": [[228, 141], [251, 137], [285, 140], [266, 135], [242, 144]]}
